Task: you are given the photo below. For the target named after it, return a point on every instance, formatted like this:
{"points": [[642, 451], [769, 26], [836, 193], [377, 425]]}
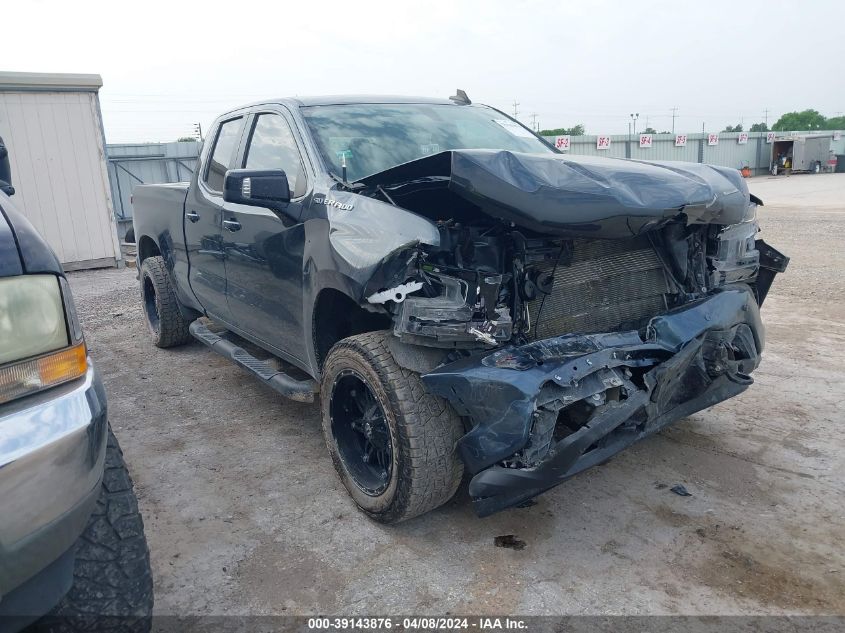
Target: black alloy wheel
{"points": [[150, 308], [362, 433]]}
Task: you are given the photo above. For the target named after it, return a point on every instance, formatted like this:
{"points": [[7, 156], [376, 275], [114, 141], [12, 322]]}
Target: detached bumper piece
{"points": [[546, 411]]}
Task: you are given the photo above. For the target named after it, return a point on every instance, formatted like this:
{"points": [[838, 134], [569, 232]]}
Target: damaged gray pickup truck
{"points": [[456, 293]]}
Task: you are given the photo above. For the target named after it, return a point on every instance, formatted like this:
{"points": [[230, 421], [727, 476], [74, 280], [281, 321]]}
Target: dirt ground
{"points": [[245, 515]]}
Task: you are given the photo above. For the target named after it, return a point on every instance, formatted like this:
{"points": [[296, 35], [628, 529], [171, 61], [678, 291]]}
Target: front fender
{"points": [[348, 249]]}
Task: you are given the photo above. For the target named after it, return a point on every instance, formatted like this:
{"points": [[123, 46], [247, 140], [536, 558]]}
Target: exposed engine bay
{"points": [[489, 283]]}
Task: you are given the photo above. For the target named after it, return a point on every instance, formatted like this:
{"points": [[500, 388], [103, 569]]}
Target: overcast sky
{"points": [[166, 65]]}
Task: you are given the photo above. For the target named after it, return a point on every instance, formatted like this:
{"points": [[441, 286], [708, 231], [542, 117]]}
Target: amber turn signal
{"points": [[29, 376]]}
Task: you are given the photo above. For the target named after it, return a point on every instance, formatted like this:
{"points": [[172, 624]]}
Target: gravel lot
{"points": [[245, 515]]}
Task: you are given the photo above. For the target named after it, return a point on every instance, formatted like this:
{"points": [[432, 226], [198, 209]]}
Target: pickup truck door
{"points": [[264, 248], [204, 207]]}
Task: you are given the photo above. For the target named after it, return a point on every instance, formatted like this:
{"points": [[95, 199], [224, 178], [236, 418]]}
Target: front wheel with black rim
{"points": [[392, 443], [165, 322]]}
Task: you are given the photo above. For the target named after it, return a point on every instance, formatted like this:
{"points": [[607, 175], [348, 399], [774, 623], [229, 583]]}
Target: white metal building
{"points": [[53, 129]]}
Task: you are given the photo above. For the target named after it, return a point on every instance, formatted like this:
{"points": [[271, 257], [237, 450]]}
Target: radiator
{"points": [[610, 285]]}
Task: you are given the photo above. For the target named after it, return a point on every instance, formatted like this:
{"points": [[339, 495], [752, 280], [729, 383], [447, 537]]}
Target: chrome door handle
{"points": [[193, 216], [232, 225]]}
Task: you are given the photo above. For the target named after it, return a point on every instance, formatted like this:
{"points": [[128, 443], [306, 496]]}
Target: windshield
{"points": [[374, 137]]}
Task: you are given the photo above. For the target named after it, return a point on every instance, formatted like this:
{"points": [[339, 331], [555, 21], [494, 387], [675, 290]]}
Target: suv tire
{"points": [[420, 468], [112, 582], [161, 307]]}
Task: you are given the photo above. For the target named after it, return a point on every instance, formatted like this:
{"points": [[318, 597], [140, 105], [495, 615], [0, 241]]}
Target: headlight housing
{"points": [[732, 255], [41, 342]]}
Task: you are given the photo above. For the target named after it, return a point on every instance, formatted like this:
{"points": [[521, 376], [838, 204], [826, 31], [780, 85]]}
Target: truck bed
{"points": [[159, 207], [158, 210]]}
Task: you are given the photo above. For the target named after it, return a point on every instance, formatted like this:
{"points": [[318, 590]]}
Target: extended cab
{"points": [[458, 293]]}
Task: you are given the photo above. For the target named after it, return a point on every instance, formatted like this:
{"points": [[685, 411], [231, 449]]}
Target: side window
{"points": [[223, 153], [273, 147]]}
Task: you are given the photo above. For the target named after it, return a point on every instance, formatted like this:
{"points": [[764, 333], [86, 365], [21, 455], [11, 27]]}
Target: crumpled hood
{"points": [[581, 195]]}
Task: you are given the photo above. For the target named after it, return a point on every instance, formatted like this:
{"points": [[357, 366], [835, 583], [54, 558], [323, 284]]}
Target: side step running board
{"points": [[299, 390]]}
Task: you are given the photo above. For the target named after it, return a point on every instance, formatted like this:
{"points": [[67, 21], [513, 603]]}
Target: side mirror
{"points": [[5, 171], [257, 188]]}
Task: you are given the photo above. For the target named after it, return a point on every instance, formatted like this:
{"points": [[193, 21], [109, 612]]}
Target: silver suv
{"points": [[72, 544]]}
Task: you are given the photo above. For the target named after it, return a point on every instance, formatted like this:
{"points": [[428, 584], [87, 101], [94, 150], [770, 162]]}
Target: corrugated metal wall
{"points": [[146, 163], [58, 166], [728, 153]]}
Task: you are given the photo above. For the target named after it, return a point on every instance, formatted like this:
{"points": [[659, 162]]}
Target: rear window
{"points": [[223, 153]]}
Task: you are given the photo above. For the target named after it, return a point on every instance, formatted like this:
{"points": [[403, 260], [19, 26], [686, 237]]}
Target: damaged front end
{"points": [[628, 298], [547, 410]]}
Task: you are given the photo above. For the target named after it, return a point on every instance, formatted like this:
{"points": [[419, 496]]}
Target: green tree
{"points": [[733, 128], [758, 127], [186, 139], [577, 130], [804, 120], [649, 130], [835, 123]]}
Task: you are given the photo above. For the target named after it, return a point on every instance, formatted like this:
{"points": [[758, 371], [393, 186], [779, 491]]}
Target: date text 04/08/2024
{"points": [[417, 623]]}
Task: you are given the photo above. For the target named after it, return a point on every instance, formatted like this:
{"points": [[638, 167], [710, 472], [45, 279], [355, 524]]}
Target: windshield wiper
{"points": [[349, 186]]}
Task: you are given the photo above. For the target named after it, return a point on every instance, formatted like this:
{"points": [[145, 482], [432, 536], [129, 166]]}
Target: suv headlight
{"points": [[40, 339]]}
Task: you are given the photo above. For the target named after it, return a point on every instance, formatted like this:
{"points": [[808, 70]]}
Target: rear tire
{"points": [[421, 468], [161, 307], [112, 581]]}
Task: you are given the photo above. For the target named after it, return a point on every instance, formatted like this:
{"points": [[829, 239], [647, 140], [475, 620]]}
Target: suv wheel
{"points": [[392, 443], [112, 582], [161, 307]]}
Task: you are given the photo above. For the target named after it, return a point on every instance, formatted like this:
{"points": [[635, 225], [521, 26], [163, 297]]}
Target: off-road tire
{"points": [[164, 320], [112, 582], [424, 431]]}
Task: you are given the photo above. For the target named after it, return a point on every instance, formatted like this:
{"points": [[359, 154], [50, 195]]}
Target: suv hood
{"points": [[22, 249], [584, 195]]}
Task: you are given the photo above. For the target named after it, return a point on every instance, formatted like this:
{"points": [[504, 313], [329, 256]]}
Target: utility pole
{"points": [[674, 114], [766, 118], [634, 117], [534, 125], [198, 131], [515, 109]]}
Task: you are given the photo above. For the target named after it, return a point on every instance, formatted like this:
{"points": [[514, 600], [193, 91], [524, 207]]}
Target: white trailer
{"points": [[796, 154]]}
